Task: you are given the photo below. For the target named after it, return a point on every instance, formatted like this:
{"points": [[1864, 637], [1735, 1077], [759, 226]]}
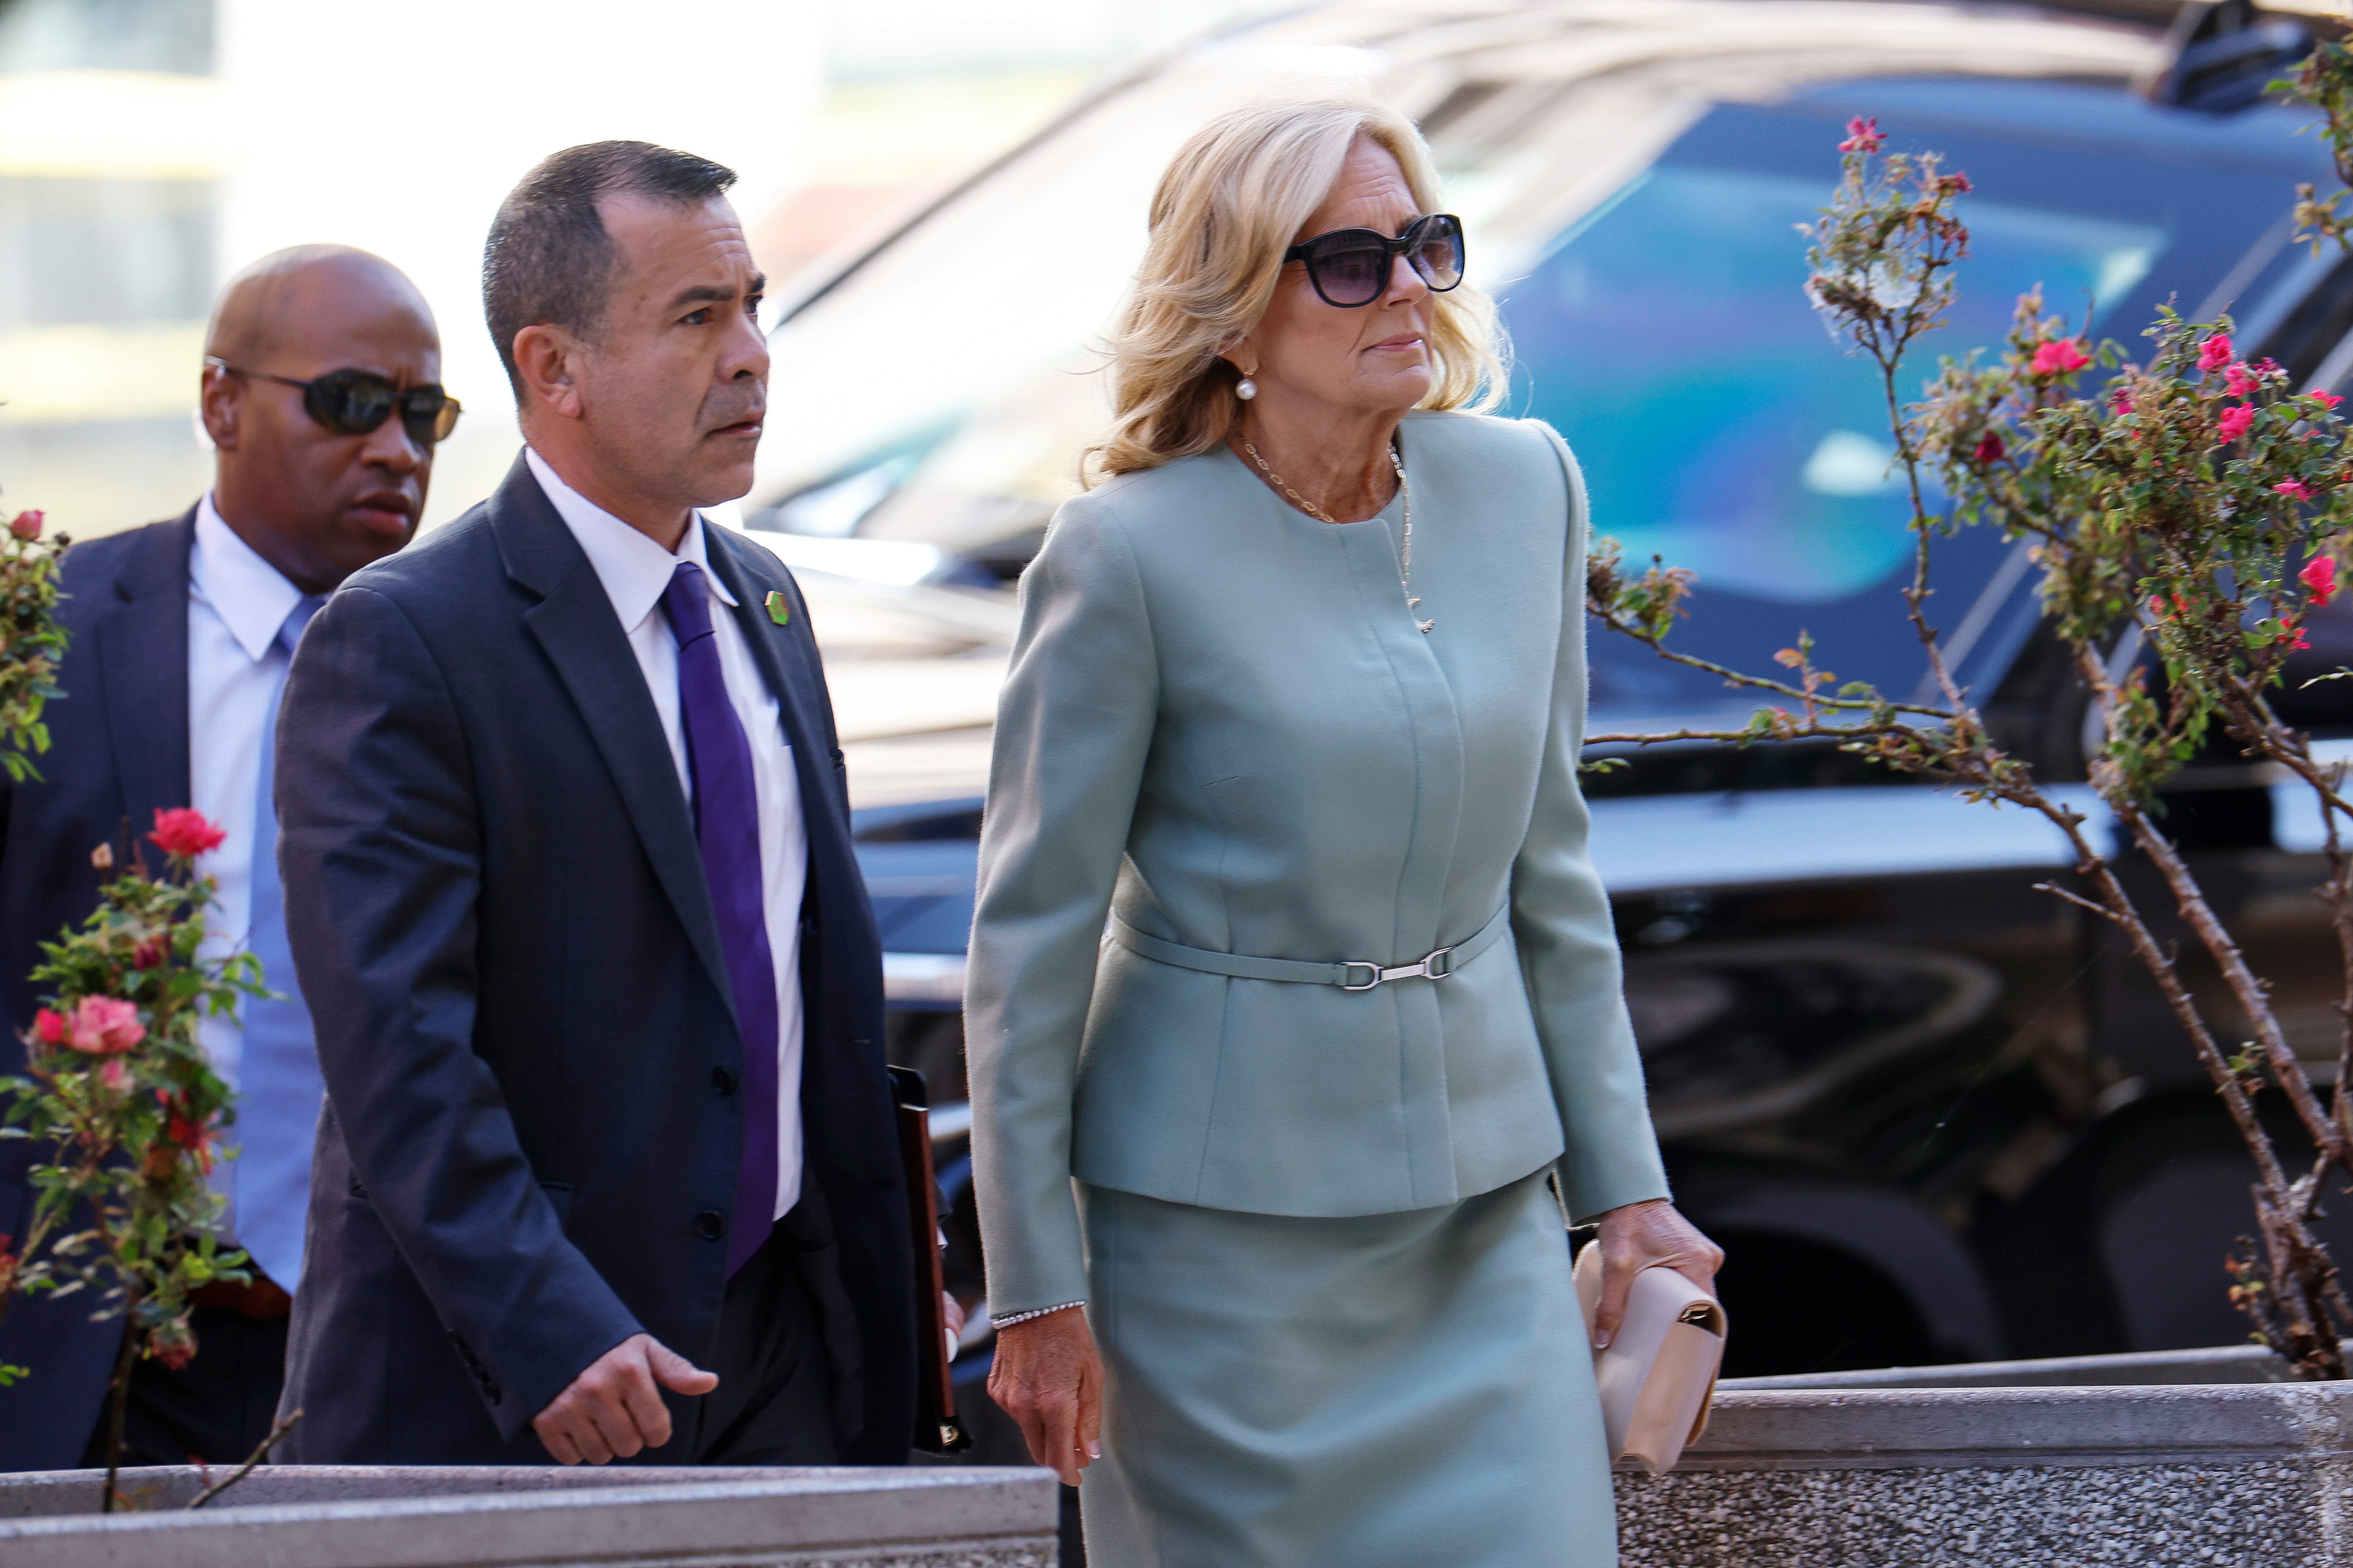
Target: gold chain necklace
{"points": [[1405, 554]]}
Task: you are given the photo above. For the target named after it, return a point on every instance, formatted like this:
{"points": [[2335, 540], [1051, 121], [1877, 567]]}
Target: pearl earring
{"points": [[1245, 389]]}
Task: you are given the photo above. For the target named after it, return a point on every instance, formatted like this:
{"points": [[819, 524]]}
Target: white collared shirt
{"points": [[236, 603], [635, 571]]}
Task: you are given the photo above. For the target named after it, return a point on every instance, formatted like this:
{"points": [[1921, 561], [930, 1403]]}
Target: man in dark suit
{"points": [[567, 852], [182, 634]]}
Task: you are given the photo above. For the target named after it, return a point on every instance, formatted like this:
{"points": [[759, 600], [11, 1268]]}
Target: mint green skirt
{"points": [[1383, 1391]]}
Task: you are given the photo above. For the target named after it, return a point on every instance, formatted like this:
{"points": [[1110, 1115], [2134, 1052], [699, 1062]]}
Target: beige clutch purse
{"points": [[1659, 1374]]}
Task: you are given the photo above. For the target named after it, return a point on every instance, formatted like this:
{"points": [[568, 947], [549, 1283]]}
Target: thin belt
{"points": [[1354, 974]]}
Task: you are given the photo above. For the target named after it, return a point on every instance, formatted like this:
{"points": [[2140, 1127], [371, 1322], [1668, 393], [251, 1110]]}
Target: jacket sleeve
{"points": [[1568, 945], [1073, 727], [381, 852]]}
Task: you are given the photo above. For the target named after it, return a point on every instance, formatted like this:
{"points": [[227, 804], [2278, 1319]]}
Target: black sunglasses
{"points": [[355, 401], [1350, 267]]}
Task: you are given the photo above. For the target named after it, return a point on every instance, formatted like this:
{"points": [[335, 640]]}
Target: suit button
{"points": [[711, 1225], [723, 1080]]}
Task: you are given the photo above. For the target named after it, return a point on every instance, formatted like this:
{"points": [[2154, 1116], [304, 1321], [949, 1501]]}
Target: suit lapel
{"points": [[582, 636], [143, 655], [789, 663]]}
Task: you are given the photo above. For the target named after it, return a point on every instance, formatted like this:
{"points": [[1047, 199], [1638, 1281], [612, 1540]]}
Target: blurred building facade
{"points": [[148, 148]]}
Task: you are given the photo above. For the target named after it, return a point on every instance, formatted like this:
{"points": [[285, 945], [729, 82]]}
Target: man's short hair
{"points": [[549, 259]]}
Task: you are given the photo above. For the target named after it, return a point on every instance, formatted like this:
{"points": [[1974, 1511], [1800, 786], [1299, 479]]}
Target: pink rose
{"points": [[2325, 399], [26, 526], [105, 1026], [2216, 354], [184, 831], [2319, 577], [2063, 356], [2240, 380], [2234, 423], [112, 1074], [2121, 403], [1861, 136], [1990, 449], [2295, 489], [50, 1027]]}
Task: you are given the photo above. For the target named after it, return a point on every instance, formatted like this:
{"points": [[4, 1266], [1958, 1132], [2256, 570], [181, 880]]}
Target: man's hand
{"points": [[1048, 1377], [614, 1409], [951, 1319], [1633, 1238]]}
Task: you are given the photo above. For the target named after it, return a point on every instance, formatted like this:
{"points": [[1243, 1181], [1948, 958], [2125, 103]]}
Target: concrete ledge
{"points": [[2226, 1364], [1979, 1427], [335, 1517]]}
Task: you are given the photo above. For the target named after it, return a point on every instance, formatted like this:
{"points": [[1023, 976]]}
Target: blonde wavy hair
{"points": [[1232, 201]]}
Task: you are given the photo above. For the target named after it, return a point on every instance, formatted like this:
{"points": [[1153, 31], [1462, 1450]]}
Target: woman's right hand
{"points": [[1048, 1378]]}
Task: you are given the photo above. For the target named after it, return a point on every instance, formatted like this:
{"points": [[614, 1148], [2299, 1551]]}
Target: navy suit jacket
{"points": [[500, 920], [119, 749]]}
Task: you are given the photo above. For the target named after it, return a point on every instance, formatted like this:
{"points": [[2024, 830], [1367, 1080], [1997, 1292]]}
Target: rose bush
{"points": [[2185, 518], [121, 1098], [31, 641]]}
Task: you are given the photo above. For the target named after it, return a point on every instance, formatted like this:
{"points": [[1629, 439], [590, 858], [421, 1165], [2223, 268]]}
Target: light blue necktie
{"points": [[277, 1074]]}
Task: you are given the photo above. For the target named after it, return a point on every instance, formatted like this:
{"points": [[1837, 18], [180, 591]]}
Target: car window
{"points": [[1666, 335]]}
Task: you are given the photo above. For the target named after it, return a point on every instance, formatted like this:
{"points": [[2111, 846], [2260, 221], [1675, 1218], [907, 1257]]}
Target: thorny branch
{"points": [[2193, 504]]}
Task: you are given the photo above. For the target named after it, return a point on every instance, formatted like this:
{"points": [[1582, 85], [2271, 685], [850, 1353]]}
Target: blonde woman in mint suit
{"points": [[1297, 705]]}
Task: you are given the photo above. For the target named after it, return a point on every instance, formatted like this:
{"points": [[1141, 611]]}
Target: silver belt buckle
{"points": [[1436, 965]]}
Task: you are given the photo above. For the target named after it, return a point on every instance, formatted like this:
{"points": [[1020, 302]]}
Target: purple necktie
{"points": [[727, 826]]}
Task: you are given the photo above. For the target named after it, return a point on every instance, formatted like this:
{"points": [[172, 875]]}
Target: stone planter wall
{"points": [[468, 1517], [2243, 1475]]}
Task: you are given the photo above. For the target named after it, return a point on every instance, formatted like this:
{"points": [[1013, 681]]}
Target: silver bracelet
{"points": [[996, 1322]]}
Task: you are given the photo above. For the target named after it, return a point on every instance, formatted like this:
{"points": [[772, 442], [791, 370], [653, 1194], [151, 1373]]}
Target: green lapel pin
{"points": [[778, 610]]}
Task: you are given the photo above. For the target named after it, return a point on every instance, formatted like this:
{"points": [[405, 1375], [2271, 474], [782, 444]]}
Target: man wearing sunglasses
{"points": [[321, 395]]}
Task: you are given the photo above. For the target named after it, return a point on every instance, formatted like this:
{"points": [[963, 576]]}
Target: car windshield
{"points": [[1654, 297], [1666, 335]]}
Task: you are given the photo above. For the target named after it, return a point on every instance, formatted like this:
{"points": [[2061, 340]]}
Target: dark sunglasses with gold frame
{"points": [[355, 401]]}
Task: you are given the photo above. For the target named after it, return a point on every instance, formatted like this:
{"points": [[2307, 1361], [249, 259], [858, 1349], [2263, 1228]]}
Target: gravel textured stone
{"points": [[2283, 1514]]}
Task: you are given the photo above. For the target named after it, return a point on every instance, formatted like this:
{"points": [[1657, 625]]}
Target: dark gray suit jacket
{"points": [[119, 749], [500, 922]]}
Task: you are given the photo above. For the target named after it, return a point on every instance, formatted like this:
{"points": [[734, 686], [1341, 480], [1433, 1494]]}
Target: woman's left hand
{"points": [[1637, 1237]]}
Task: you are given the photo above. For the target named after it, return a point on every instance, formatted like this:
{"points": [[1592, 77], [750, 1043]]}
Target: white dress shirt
{"points": [[635, 571], [236, 603]]}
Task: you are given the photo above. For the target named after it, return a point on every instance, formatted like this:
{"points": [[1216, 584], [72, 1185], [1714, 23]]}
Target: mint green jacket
{"points": [[1223, 728]]}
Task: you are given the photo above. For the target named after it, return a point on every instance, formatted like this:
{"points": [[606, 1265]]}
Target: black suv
{"points": [[1931, 1114]]}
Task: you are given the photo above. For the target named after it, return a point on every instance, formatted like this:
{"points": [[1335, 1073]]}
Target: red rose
{"points": [[185, 832], [175, 1346], [2318, 577], [26, 526], [1990, 449], [50, 1027], [2063, 356], [2234, 423]]}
